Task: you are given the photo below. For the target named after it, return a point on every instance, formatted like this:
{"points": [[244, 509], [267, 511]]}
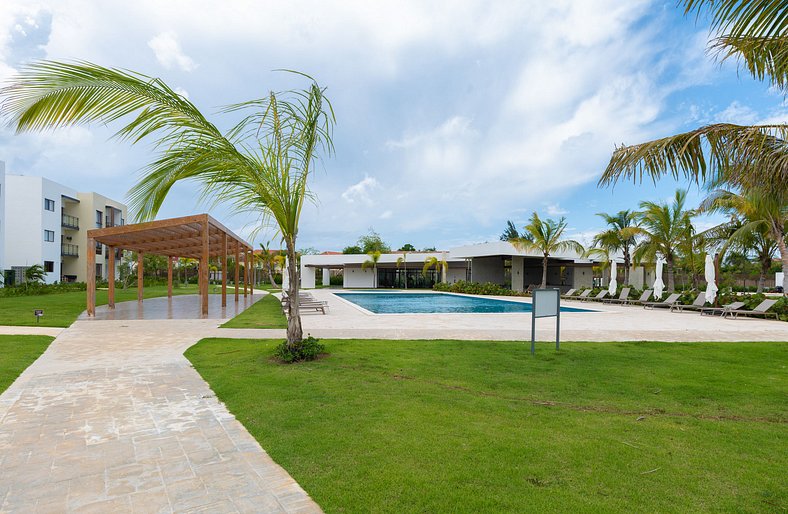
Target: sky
{"points": [[452, 116]]}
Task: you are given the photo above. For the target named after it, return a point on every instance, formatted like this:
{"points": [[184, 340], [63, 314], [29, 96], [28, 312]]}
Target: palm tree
{"points": [[440, 266], [603, 255], [664, 228], [268, 260], [620, 235], [545, 237], [403, 261], [35, 274], [260, 165], [372, 262], [763, 215], [744, 156]]}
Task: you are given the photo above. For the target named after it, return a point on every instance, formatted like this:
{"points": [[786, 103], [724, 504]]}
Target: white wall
{"points": [[455, 274], [517, 273], [356, 277], [307, 277], [24, 231]]}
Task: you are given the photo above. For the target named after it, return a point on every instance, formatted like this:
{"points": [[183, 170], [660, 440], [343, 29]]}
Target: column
{"points": [[140, 274], [224, 269], [169, 277], [237, 268], [326, 277], [251, 272], [246, 271], [91, 277], [111, 277], [204, 267]]}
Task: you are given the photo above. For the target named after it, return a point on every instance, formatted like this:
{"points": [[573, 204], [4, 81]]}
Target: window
{"points": [[99, 219], [49, 205], [49, 266], [49, 236]]}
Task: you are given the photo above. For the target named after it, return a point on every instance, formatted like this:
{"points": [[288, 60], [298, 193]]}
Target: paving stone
{"points": [[112, 418]]}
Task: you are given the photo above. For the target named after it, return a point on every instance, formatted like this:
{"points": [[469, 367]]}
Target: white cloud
{"points": [[554, 209], [386, 215], [168, 52], [361, 191], [737, 113]]}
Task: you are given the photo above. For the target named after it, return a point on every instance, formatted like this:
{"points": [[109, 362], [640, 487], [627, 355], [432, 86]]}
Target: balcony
{"points": [[71, 222], [69, 250]]}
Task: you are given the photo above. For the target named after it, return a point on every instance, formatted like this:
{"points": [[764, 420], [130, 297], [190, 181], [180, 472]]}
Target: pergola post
{"points": [[204, 267], [91, 277], [111, 277], [140, 275], [246, 271], [224, 269], [237, 268], [251, 271], [169, 276]]}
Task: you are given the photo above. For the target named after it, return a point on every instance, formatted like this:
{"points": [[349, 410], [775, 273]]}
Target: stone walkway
{"points": [[112, 418]]}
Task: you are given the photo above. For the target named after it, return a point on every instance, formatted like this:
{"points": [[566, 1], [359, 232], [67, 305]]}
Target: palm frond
{"points": [[741, 155]]}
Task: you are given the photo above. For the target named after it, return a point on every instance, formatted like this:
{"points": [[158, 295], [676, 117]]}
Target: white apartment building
{"points": [[46, 223], [2, 222]]}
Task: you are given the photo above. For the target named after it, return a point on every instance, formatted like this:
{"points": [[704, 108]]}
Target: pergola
{"points": [[197, 237]]}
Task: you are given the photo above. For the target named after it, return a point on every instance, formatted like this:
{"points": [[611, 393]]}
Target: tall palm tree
{"points": [[372, 262], [664, 228], [754, 32], [545, 237], [620, 235], [604, 255], [402, 260], [763, 214], [260, 165]]}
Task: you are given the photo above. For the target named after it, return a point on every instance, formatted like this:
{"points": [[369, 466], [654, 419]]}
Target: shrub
{"points": [[308, 349], [336, 280], [36, 289], [486, 288]]}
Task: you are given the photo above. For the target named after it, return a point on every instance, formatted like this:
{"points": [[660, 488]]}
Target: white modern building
{"points": [[44, 222], [2, 222], [498, 262]]}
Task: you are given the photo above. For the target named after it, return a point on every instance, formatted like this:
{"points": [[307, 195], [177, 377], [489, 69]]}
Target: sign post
{"points": [[38, 313], [545, 303]]}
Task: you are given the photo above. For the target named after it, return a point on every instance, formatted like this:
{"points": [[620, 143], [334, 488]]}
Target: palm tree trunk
{"points": [[671, 282], [626, 265], [294, 331], [766, 263], [544, 272], [270, 275]]}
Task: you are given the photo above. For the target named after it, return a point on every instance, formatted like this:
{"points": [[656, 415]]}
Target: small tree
{"points": [[35, 274], [372, 242], [372, 262], [511, 232], [268, 260], [440, 266], [407, 247], [403, 261]]}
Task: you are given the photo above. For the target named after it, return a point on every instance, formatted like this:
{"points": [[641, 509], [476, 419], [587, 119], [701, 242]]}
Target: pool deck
{"points": [[608, 323]]}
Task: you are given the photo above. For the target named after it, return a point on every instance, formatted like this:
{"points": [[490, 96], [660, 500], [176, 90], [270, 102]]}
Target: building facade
{"points": [[46, 223], [498, 262]]}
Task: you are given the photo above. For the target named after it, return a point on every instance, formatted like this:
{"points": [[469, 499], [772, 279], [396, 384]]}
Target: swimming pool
{"points": [[433, 303]]}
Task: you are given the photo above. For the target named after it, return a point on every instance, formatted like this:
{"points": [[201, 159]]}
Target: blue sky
{"points": [[452, 117]]}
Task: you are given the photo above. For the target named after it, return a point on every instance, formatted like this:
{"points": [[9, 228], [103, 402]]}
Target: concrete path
{"points": [[112, 418], [33, 331]]}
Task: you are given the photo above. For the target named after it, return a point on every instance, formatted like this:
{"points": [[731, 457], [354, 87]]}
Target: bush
{"points": [[308, 349], [486, 288], [337, 280], [35, 289]]}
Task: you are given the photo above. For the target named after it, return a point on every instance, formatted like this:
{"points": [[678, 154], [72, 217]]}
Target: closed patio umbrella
{"points": [[711, 286], [611, 289], [659, 285]]}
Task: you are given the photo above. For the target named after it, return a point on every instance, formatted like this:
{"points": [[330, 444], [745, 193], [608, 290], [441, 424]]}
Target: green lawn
{"points": [[17, 353], [62, 309], [265, 313], [450, 426]]}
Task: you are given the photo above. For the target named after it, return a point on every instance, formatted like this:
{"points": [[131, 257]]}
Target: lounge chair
{"points": [[581, 296], [760, 310], [667, 302], [569, 293], [698, 304], [598, 298], [640, 301], [621, 297], [721, 310]]}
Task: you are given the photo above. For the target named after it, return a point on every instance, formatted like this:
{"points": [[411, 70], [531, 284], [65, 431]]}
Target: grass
{"points": [[62, 309], [17, 353], [451, 426], [265, 313]]}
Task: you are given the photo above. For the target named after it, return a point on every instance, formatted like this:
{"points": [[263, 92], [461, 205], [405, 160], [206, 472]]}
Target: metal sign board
{"points": [[38, 313], [545, 303]]}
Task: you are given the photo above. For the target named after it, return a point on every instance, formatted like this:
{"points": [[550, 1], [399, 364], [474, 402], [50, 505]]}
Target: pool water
{"points": [[432, 303]]}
